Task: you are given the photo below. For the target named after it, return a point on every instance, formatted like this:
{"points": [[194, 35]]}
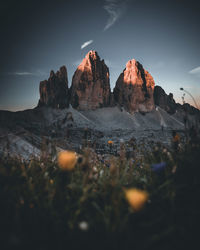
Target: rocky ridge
{"points": [[95, 114], [90, 88], [164, 101], [135, 89]]}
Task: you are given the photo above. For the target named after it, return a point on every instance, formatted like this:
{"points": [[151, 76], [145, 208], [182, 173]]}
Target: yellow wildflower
{"points": [[67, 160], [110, 142], [136, 198], [176, 138]]}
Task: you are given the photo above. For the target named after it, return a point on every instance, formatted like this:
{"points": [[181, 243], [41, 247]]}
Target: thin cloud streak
{"points": [[115, 9], [25, 73], [195, 71], [86, 44]]}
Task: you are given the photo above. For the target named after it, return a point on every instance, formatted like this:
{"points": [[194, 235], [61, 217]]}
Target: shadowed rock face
{"points": [[134, 88], [91, 84], [54, 92], [164, 101]]}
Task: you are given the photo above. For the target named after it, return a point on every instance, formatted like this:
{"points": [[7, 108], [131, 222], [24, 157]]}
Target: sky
{"points": [[38, 36]]}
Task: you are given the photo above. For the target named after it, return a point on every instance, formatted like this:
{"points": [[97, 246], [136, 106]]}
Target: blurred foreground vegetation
{"points": [[44, 207]]}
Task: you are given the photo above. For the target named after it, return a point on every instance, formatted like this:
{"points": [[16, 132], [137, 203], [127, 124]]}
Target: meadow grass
{"points": [[44, 206]]}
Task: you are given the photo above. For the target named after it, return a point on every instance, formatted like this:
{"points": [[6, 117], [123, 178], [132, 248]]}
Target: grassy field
{"points": [[52, 204]]}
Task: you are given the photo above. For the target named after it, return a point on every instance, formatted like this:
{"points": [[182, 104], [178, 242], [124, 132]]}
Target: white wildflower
{"points": [[164, 150], [174, 169], [94, 169], [46, 174], [101, 173], [83, 226]]}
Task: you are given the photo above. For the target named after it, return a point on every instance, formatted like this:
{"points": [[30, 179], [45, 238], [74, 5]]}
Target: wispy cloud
{"points": [[86, 44], [195, 71], [115, 9], [26, 73], [23, 73]]}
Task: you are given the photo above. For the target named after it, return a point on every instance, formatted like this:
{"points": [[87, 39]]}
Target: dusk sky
{"points": [[37, 37]]}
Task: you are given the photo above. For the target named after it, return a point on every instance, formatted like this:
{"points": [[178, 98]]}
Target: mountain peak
{"points": [[54, 91], [92, 52], [131, 63], [134, 88], [92, 55], [91, 84]]}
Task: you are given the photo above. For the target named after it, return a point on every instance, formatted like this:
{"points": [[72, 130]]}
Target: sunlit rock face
{"points": [[91, 84], [134, 88], [54, 92], [164, 101]]}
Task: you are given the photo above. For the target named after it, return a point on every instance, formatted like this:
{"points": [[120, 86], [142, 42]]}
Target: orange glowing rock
{"points": [[91, 84], [134, 88]]}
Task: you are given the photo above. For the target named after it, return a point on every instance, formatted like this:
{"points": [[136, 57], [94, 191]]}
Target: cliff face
{"points": [[134, 88], [164, 101], [54, 92], [91, 84]]}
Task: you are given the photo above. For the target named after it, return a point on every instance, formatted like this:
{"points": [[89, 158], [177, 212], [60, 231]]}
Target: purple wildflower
{"points": [[158, 167]]}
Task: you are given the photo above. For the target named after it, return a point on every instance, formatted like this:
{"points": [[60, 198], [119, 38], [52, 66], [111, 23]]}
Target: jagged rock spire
{"points": [[134, 88], [54, 92], [91, 83]]}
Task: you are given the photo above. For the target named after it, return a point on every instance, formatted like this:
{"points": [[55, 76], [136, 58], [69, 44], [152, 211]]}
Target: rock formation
{"points": [[54, 92], [164, 101], [91, 84], [134, 88]]}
